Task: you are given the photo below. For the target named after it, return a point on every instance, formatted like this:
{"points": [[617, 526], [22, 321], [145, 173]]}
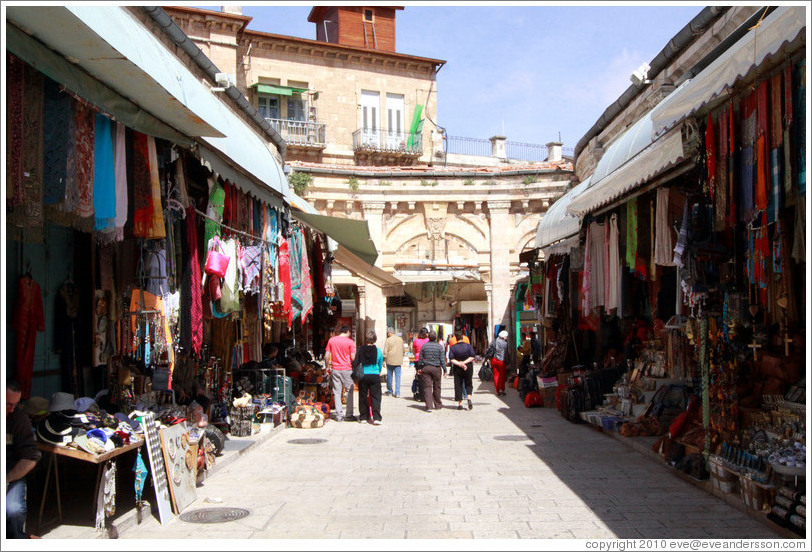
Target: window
{"points": [[367, 15], [296, 108], [268, 106]]}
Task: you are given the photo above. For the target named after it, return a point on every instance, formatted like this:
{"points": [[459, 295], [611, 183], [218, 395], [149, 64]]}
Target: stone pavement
{"points": [[500, 471]]}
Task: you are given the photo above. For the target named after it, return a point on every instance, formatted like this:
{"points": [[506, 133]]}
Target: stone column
{"points": [[501, 226], [361, 306], [489, 296]]}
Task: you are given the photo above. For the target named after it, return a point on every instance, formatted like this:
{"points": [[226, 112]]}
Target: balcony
{"points": [[300, 133], [376, 141]]}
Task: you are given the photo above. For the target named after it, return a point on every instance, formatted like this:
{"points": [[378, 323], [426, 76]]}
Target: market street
{"points": [[498, 471]]}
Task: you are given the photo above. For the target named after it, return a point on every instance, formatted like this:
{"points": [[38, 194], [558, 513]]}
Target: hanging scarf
{"points": [[776, 120], [748, 160], [631, 234], [195, 299], [214, 210], [710, 157], [776, 200], [57, 112], [158, 228], [799, 234], [778, 240], [613, 265], [104, 176], [318, 270], [788, 95], [257, 212], [682, 238], [761, 174], [295, 259], [721, 187], [663, 246], [800, 142], [33, 124], [181, 192], [15, 97], [762, 108], [85, 119], [284, 277], [142, 191], [598, 273], [230, 300], [141, 472], [731, 165], [120, 154]]}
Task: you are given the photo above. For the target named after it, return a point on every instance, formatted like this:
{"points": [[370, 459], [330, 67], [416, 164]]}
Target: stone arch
{"points": [[418, 245]]}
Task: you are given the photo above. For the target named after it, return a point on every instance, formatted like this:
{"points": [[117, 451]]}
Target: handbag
{"points": [[216, 261], [357, 370], [490, 351]]}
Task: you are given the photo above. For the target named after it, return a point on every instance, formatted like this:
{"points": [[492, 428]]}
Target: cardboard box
{"points": [[563, 377], [549, 396]]}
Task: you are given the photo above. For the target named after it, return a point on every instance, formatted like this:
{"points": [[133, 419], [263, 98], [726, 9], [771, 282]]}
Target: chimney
{"points": [[236, 10], [554, 151], [498, 147]]}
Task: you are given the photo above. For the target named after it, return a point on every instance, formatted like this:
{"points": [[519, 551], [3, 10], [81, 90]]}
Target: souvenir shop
{"points": [[678, 305]]}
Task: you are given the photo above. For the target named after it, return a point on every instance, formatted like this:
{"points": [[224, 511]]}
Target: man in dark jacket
{"points": [[22, 455], [461, 356], [433, 356]]}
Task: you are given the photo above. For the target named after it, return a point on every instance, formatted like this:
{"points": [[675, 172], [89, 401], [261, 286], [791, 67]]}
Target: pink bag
{"points": [[216, 262]]}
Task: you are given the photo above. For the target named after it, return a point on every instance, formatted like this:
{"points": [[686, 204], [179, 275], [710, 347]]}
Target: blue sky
{"points": [[526, 70]]}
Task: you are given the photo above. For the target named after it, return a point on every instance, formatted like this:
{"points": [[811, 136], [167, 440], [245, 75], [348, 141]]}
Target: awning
{"points": [[352, 234], [278, 90], [298, 203], [391, 286], [110, 45], [648, 163], [782, 27], [557, 224]]}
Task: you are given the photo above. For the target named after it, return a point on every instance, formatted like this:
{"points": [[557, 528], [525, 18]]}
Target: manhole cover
{"points": [[512, 438], [307, 441], [214, 515]]}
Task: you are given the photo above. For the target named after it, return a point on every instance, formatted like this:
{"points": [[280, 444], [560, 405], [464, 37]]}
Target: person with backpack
{"points": [[369, 386], [461, 357], [499, 362]]}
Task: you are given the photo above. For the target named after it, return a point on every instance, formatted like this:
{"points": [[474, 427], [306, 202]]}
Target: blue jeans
{"points": [[393, 370], [16, 510]]}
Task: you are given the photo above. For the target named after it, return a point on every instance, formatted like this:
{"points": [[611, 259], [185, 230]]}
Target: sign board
{"points": [[180, 458], [157, 468]]}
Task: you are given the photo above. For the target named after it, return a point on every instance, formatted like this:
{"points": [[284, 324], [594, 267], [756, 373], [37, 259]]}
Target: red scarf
{"points": [[284, 277], [710, 156]]}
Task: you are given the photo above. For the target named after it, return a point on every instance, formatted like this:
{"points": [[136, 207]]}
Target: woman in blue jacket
{"points": [[369, 387]]}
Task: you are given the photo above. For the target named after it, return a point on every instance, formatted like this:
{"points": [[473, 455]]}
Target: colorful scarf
{"points": [[214, 210], [196, 301], [663, 247], [776, 121], [748, 160], [85, 119], [720, 206], [33, 150], [104, 176], [613, 264], [57, 111], [631, 234], [710, 156], [800, 143], [761, 174], [285, 278], [142, 192], [731, 172], [318, 270]]}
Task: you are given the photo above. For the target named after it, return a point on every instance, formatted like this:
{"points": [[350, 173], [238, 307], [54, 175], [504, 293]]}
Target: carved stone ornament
{"points": [[435, 227]]}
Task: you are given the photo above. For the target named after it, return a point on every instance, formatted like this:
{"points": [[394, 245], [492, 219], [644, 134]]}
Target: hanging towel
{"points": [[104, 176]]}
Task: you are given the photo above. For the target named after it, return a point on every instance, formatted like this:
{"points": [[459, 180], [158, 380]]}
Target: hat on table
{"points": [[61, 401], [57, 429]]}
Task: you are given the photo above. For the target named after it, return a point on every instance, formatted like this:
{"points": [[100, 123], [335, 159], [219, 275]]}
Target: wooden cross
{"points": [[755, 346], [787, 341]]}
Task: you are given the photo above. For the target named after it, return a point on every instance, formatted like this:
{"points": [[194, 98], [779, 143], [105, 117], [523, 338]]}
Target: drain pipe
{"points": [[661, 60], [186, 44]]}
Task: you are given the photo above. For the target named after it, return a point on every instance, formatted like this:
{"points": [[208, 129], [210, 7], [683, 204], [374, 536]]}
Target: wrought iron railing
{"points": [[468, 146], [305, 133], [379, 140], [525, 152]]}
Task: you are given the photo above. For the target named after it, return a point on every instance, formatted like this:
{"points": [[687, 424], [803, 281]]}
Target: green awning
{"points": [[351, 233], [278, 90]]}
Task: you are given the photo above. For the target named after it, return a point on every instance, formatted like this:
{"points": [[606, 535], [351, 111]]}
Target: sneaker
{"points": [[470, 404], [396, 396], [459, 407], [428, 410], [350, 419], [377, 422]]}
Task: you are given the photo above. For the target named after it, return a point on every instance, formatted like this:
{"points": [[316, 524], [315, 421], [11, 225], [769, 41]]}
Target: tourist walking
{"points": [[499, 362], [369, 386], [421, 339], [461, 357], [393, 356], [432, 356], [338, 356]]}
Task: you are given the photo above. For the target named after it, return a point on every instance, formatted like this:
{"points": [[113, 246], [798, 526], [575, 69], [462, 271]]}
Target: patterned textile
{"points": [[776, 120], [586, 281], [776, 199], [301, 280], [142, 192], [762, 108], [748, 160], [598, 272], [663, 247], [682, 238], [104, 175], [230, 300], [195, 294], [252, 261], [788, 95], [106, 499], [57, 112], [613, 266], [85, 120], [285, 278], [731, 164], [710, 156], [631, 234], [318, 270], [799, 234], [762, 170], [720, 203], [800, 142], [15, 93], [214, 210]]}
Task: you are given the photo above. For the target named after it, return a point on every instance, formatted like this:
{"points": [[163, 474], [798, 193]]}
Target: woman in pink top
{"points": [[422, 337]]}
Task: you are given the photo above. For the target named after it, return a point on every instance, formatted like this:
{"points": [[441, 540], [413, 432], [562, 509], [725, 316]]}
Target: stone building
{"points": [[359, 120]]}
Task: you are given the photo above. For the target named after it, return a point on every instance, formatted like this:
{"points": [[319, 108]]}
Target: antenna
{"points": [[559, 135]]}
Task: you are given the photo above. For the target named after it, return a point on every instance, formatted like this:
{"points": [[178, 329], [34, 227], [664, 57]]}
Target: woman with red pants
{"points": [[498, 362]]}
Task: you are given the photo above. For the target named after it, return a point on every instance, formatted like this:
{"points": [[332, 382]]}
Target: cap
{"points": [[503, 334]]}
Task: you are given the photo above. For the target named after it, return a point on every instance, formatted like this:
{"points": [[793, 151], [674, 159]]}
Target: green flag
{"points": [[416, 127]]}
